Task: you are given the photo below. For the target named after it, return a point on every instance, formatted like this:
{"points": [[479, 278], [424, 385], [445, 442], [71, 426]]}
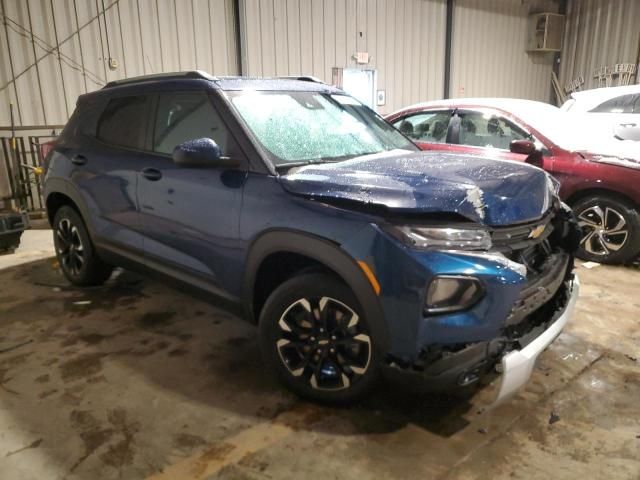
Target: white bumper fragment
{"points": [[517, 365]]}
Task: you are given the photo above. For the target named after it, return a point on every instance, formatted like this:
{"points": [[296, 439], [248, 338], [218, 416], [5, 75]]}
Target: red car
{"points": [[603, 189]]}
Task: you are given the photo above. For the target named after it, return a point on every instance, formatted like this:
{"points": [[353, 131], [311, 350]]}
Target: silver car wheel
{"points": [[604, 231]]}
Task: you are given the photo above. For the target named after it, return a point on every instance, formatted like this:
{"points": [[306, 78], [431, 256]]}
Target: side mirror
{"points": [[525, 147], [201, 153], [528, 148]]}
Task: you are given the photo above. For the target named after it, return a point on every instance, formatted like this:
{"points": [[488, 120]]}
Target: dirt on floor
{"points": [[136, 379]]}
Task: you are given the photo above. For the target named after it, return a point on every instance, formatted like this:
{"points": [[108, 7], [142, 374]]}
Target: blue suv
{"points": [[354, 252]]}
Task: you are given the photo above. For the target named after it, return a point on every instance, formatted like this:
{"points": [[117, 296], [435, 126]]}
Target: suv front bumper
{"points": [[517, 365]]}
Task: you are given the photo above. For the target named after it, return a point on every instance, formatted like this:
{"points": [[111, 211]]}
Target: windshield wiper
{"points": [[287, 165], [302, 163]]}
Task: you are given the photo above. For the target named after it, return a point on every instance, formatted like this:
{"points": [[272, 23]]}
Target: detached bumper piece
{"points": [[517, 365], [11, 227], [13, 223]]}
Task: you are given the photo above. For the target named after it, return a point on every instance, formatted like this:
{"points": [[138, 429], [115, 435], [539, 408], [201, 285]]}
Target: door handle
{"points": [[627, 125], [152, 174], [79, 160]]}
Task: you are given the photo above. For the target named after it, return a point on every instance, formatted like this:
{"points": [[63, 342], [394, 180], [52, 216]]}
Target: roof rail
{"points": [[303, 78], [161, 76]]}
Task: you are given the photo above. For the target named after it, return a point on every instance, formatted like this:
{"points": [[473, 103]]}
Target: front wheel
{"points": [[610, 229], [314, 335]]}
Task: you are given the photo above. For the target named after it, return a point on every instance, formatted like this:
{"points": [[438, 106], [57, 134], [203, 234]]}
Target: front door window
{"points": [[485, 129]]}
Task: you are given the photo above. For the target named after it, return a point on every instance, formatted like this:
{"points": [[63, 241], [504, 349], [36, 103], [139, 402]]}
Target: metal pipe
{"points": [[15, 163], [241, 54], [557, 57], [447, 49], [31, 127]]}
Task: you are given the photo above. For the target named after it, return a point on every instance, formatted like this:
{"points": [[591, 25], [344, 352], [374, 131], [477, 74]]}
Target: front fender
{"points": [[328, 253]]}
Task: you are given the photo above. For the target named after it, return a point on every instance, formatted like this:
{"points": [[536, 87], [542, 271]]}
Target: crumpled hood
{"points": [[490, 192]]}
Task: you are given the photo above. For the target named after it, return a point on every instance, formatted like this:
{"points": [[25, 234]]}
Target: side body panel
{"points": [[190, 219]]}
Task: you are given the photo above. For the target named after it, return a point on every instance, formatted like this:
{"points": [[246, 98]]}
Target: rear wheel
{"points": [[610, 229], [314, 335], [75, 251]]}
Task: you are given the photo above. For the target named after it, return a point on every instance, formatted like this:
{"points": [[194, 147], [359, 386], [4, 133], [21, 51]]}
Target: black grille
{"points": [[519, 237]]}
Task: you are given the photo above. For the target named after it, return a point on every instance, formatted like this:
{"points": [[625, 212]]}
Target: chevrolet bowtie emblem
{"points": [[536, 232]]}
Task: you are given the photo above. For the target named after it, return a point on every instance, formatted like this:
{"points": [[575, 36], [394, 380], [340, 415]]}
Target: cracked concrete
{"points": [[137, 380]]}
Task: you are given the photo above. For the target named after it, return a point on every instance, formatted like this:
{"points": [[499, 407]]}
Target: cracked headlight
{"points": [[440, 238]]}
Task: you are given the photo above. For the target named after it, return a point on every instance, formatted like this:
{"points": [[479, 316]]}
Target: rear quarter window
{"points": [[123, 122]]}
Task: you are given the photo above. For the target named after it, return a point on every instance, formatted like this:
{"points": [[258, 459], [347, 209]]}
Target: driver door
{"points": [[190, 216], [486, 133]]}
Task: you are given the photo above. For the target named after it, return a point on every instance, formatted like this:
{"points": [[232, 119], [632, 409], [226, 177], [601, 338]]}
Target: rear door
{"points": [[105, 172], [190, 216]]}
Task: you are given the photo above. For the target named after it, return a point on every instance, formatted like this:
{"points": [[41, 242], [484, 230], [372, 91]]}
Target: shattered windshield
{"points": [[315, 127]]}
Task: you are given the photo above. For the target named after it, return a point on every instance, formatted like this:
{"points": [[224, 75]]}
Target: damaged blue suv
{"points": [[353, 251]]}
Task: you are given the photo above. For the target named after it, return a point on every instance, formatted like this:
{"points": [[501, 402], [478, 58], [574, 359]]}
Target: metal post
{"points": [[240, 15], [557, 57], [447, 49], [15, 162]]}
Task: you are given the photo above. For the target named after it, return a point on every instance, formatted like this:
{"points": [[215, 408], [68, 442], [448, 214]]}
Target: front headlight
{"points": [[439, 238]]}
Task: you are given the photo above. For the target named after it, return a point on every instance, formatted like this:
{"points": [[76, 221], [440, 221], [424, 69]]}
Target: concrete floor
{"points": [[137, 380]]}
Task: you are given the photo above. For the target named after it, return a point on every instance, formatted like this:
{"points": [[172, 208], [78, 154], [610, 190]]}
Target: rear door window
{"points": [[187, 116], [428, 127], [123, 122]]}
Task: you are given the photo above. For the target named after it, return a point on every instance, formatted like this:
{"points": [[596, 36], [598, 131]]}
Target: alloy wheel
{"points": [[69, 247], [604, 230], [323, 342]]}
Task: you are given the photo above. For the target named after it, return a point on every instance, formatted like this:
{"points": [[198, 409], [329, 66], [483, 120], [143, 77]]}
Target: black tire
{"points": [[342, 361], [75, 251], [610, 229], [9, 243]]}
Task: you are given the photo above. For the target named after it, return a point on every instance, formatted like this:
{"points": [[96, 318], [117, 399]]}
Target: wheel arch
{"points": [[55, 201], [320, 254], [59, 192], [578, 195]]}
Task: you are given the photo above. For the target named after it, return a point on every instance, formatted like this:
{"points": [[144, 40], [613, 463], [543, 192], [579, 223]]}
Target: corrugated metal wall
{"points": [[488, 54], [51, 51], [404, 38], [599, 33]]}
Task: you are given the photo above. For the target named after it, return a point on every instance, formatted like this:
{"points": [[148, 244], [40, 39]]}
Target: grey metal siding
{"points": [[599, 33], [489, 57], [404, 38], [53, 51]]}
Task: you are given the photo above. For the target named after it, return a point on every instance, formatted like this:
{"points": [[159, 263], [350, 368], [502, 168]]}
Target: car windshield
{"points": [[314, 127]]}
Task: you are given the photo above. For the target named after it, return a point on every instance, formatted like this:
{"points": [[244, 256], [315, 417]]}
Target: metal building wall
{"points": [[404, 38], [599, 33], [489, 57], [51, 51]]}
